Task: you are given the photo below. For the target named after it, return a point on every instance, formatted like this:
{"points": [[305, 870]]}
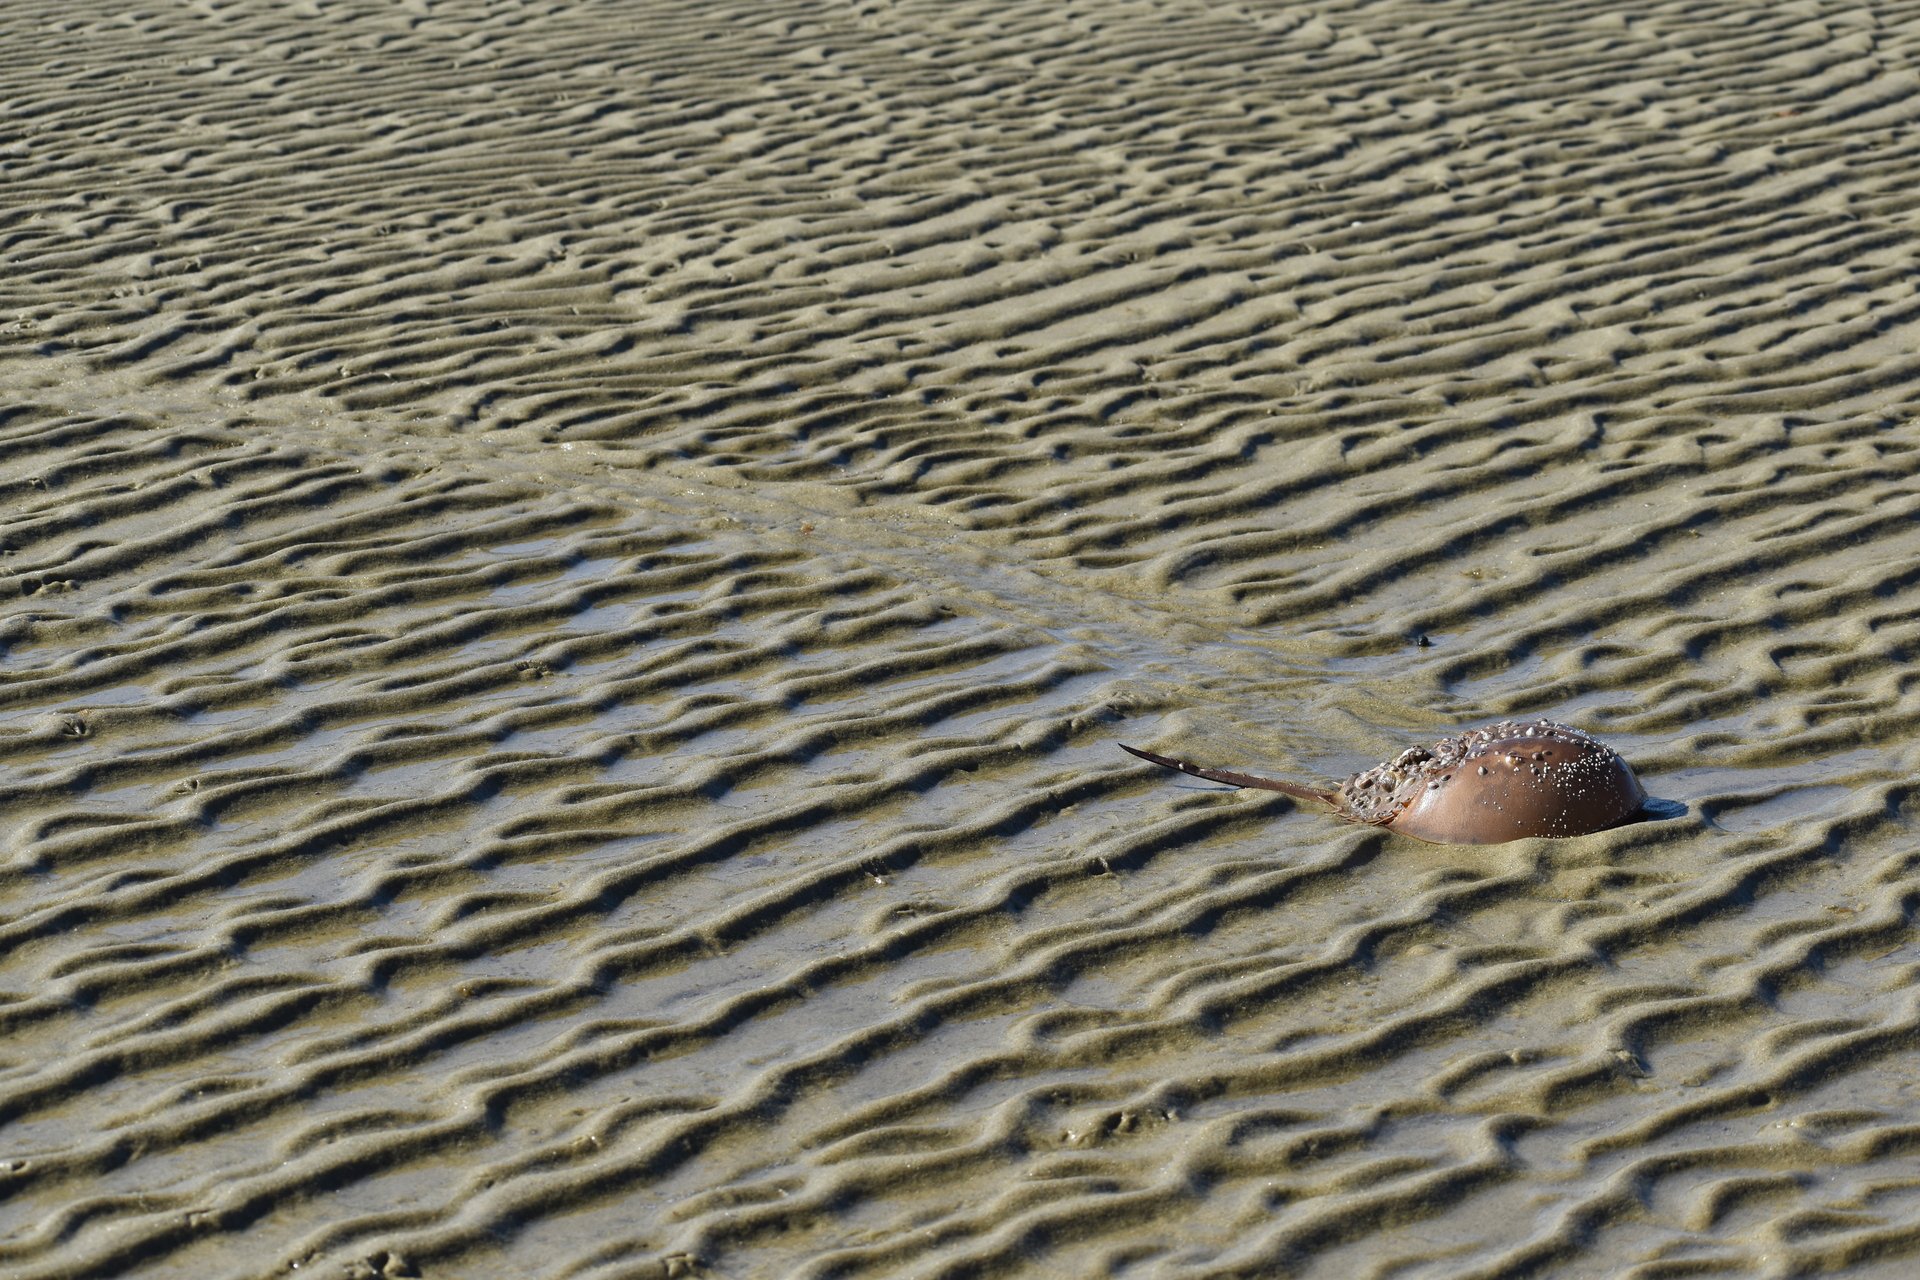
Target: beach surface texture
{"points": [[571, 575]]}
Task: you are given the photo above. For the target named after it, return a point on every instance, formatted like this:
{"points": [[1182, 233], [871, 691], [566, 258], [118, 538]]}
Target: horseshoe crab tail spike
{"points": [[1294, 789]]}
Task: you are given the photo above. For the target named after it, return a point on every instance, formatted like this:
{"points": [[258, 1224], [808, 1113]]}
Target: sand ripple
{"points": [[569, 575]]}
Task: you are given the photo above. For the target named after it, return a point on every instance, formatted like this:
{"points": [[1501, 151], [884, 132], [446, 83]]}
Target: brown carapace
{"points": [[1504, 782]]}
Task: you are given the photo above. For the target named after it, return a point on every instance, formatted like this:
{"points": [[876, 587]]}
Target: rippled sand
{"points": [[570, 575]]}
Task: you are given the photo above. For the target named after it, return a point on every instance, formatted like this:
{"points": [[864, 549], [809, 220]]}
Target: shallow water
{"points": [[569, 578]]}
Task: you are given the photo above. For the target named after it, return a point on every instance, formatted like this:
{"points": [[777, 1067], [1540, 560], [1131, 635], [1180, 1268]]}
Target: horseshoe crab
{"points": [[1506, 781]]}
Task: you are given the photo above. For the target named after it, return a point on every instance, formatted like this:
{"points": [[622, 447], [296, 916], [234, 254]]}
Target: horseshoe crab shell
{"points": [[1506, 781]]}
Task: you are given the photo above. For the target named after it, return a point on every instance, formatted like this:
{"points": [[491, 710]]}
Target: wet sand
{"points": [[570, 576]]}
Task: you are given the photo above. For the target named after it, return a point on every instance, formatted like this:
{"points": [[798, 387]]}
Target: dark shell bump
{"points": [[1506, 781]]}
